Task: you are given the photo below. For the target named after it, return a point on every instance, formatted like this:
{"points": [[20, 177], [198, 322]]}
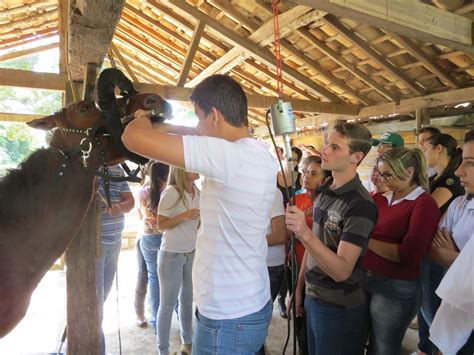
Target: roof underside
{"points": [[326, 58]]}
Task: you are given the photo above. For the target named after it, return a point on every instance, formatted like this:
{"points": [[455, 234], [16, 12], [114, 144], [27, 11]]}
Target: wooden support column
{"points": [[191, 52], [83, 327], [422, 117], [89, 81]]}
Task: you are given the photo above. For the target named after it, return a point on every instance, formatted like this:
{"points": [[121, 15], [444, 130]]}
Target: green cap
{"points": [[393, 139]]}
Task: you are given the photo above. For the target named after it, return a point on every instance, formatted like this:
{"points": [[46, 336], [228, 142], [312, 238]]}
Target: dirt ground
{"points": [[40, 331]]}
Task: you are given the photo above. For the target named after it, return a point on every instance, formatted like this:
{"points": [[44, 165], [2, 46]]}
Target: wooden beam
{"points": [[27, 52], [465, 9], [254, 50], [445, 98], [34, 80], [43, 18], [90, 77], [18, 117], [257, 35], [376, 57], [416, 51], [422, 118], [122, 60], [92, 26], [191, 53], [28, 38], [410, 18]]}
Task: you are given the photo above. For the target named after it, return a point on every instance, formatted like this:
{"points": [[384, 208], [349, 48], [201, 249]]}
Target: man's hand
{"points": [[296, 222], [115, 210], [191, 214], [142, 119], [443, 239]]}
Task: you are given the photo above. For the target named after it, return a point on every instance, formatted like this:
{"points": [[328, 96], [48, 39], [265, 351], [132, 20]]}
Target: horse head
{"points": [[105, 120]]}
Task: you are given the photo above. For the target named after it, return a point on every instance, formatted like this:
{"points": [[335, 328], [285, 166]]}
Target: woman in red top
{"points": [[408, 218]]}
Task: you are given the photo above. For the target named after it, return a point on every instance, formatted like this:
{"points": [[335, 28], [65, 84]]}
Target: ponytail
{"points": [[420, 175]]}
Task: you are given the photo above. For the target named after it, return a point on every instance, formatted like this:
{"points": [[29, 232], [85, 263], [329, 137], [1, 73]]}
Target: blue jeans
{"points": [[431, 276], [105, 266], [142, 282], [276, 275], [175, 273], [393, 304], [334, 330], [239, 336], [150, 244]]}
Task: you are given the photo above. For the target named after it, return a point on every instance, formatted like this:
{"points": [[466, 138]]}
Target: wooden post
{"points": [[89, 81], [422, 117], [83, 328]]}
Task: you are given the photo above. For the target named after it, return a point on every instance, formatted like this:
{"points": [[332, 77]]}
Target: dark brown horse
{"points": [[44, 201]]}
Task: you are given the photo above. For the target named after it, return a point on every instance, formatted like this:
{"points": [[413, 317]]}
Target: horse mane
{"points": [[24, 190]]}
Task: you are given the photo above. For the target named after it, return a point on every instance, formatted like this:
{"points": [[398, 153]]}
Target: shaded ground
{"points": [[41, 329]]}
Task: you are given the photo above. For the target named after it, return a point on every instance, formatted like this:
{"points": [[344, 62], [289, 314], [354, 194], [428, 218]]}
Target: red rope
{"points": [[277, 45]]}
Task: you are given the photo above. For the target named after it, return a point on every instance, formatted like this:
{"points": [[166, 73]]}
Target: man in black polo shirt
{"points": [[344, 216]]}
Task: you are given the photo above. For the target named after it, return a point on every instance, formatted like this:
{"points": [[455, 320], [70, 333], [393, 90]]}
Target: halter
{"points": [[84, 149]]}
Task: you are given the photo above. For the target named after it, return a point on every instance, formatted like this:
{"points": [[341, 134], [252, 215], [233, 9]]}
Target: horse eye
{"points": [[84, 108]]}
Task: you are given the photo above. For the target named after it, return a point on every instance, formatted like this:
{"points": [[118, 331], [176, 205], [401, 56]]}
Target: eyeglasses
{"points": [[385, 175]]}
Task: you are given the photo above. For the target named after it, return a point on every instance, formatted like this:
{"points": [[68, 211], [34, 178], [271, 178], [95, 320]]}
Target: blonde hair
{"points": [[177, 178], [399, 159]]}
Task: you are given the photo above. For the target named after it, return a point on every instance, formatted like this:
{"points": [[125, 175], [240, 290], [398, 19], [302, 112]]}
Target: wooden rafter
{"points": [[122, 60], [34, 80], [258, 34], [191, 52], [27, 52], [45, 19], [405, 17], [257, 52], [427, 62], [376, 57], [28, 38]]}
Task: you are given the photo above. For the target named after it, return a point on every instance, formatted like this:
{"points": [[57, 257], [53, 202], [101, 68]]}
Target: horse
{"points": [[45, 200]]}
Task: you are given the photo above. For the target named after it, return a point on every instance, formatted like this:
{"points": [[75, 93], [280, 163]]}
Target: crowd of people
{"points": [[368, 260]]}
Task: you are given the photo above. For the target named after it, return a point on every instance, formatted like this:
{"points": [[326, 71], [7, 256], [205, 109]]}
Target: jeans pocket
{"points": [[403, 288]]}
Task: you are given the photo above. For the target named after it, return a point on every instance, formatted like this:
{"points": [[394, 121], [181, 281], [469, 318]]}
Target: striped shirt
{"points": [[112, 226], [230, 274], [344, 214]]}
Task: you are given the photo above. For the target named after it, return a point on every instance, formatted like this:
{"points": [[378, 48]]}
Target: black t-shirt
{"points": [[449, 181]]}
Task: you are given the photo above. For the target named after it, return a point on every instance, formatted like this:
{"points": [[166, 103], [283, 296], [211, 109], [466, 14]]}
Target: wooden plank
{"points": [[254, 50], [83, 328], [27, 52], [90, 77], [465, 9], [18, 117], [452, 97], [191, 53], [92, 26], [376, 57], [258, 35], [122, 60], [427, 62], [34, 80], [410, 18], [422, 118]]}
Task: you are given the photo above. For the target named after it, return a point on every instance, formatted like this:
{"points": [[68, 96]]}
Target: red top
{"points": [[411, 224], [304, 203]]}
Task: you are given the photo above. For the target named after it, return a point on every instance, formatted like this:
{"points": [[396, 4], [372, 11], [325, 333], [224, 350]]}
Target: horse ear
{"points": [[44, 123]]}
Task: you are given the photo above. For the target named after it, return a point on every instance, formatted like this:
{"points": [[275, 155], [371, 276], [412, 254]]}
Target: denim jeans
{"points": [[239, 336], [393, 304], [175, 273], [142, 281], [431, 276], [276, 274], [335, 330], [150, 244], [105, 267]]}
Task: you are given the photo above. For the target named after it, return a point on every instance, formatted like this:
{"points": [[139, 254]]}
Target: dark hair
{"points": [[158, 173], [452, 150], [399, 159], [360, 138], [298, 152], [469, 136], [432, 130], [224, 94], [313, 159]]}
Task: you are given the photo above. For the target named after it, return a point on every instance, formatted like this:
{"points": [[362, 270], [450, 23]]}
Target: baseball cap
{"points": [[391, 138]]}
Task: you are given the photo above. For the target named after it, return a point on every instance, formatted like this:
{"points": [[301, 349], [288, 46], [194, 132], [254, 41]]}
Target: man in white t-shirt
{"points": [[230, 278]]}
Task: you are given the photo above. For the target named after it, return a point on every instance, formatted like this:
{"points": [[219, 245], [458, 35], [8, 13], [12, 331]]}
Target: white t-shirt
{"points": [[230, 274], [182, 238], [459, 220], [276, 253], [454, 320]]}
